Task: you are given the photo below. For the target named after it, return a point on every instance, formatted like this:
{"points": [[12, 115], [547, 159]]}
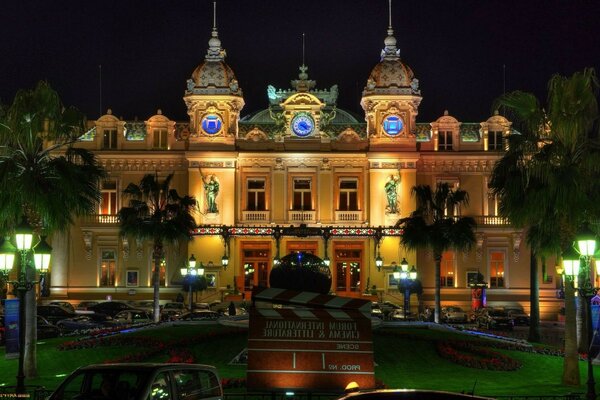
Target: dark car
{"points": [[518, 315], [86, 322], [495, 319], [110, 308], [54, 313], [85, 305], [200, 315], [133, 317], [407, 394], [63, 304], [45, 329], [141, 381]]}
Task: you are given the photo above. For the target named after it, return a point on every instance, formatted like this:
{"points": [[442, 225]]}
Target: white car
{"points": [[453, 314]]}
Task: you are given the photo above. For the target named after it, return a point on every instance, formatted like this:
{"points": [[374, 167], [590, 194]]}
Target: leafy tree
{"points": [[157, 212], [302, 272], [43, 177], [433, 225], [548, 179]]}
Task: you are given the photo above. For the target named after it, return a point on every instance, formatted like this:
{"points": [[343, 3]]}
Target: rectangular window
{"points": [[256, 267], [444, 140], [347, 262], [496, 269], [107, 268], [447, 269], [108, 200], [495, 140], [348, 197], [302, 194], [256, 200], [109, 137], [160, 139]]}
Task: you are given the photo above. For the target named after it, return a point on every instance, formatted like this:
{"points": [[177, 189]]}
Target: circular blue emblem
{"points": [[211, 124], [303, 125], [393, 125]]}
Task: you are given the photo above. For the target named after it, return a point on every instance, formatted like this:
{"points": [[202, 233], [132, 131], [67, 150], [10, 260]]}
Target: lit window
{"points": [[160, 139], [107, 268], [348, 200], [495, 140], [444, 140], [109, 139], [496, 269], [108, 200], [447, 269], [255, 195], [302, 194]]}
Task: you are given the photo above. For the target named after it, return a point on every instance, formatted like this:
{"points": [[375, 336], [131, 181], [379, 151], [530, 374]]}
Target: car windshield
{"points": [[103, 383], [498, 313]]}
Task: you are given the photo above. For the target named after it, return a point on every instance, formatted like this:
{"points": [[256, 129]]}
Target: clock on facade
{"points": [[393, 125], [211, 124], [303, 124]]}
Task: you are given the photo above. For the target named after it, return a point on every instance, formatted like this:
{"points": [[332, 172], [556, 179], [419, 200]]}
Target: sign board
{"points": [[11, 326], [311, 342]]}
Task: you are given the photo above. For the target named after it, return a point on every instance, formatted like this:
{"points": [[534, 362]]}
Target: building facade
{"points": [[301, 175]]}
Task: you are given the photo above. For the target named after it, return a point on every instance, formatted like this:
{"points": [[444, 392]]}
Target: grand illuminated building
{"points": [[302, 163]]}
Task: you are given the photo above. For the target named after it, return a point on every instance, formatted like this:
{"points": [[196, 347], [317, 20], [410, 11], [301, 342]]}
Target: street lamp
{"points": [[577, 265], [189, 272], [24, 241], [406, 281]]}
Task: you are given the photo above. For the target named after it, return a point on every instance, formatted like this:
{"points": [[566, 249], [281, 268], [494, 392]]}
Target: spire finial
{"points": [[390, 52], [215, 52], [390, 30], [215, 15], [303, 42]]}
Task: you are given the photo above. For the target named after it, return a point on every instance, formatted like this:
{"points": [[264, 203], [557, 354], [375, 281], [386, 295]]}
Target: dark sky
{"points": [[148, 49]]}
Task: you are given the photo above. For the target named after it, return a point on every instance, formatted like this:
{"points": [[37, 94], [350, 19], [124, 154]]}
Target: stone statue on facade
{"points": [[211, 190], [391, 193]]}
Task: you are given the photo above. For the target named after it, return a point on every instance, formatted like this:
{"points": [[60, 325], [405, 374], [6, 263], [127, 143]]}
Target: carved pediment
{"points": [[348, 136], [302, 99], [256, 135]]}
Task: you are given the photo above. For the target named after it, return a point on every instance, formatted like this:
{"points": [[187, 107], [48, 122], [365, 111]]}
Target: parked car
{"points": [[174, 305], [141, 381], [86, 322], [518, 315], [85, 305], [407, 394], [45, 329], [133, 317], [110, 308], [453, 314], [63, 304], [491, 318], [376, 310], [54, 313], [397, 315], [200, 315]]}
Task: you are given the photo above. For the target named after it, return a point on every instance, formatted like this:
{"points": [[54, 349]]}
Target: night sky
{"points": [[148, 49]]}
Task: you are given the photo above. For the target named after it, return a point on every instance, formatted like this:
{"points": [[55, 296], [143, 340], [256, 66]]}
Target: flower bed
{"points": [[470, 355]]}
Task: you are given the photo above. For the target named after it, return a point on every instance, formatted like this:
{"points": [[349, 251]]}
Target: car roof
{"points": [[146, 366], [410, 394]]}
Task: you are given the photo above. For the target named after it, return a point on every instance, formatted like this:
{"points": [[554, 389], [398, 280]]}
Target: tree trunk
{"points": [[582, 335], [534, 299], [437, 297], [571, 361], [158, 254]]}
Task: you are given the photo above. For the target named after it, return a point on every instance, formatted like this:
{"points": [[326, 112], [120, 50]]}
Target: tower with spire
{"points": [[391, 99], [213, 97]]}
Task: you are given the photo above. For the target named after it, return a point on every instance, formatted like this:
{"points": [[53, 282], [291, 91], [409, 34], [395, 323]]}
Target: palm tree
{"points": [[43, 177], [547, 181], [433, 225], [156, 212]]}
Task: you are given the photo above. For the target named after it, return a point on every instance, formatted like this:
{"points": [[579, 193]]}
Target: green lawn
{"points": [[405, 358]]}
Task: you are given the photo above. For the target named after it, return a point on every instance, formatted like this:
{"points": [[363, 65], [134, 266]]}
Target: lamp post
{"points": [[577, 265], [406, 280], [190, 272], [42, 252], [378, 260], [326, 233]]}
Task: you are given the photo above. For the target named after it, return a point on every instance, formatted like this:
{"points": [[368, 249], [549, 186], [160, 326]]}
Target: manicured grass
{"points": [[406, 358]]}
